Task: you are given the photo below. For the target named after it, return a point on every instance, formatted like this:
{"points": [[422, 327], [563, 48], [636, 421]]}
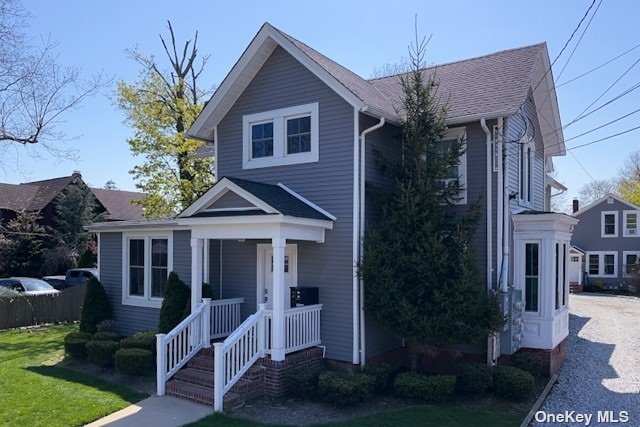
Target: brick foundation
{"points": [[274, 372], [551, 359]]}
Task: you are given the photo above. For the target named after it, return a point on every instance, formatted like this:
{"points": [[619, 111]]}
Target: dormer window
{"points": [[281, 137]]}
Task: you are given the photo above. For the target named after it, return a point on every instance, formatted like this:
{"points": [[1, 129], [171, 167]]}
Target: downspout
{"points": [[489, 266], [356, 237], [504, 271], [361, 221]]}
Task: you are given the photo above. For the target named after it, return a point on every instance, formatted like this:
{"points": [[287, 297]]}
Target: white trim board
{"points": [[603, 199]]}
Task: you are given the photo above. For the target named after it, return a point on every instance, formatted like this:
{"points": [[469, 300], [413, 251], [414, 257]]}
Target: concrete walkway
{"points": [[156, 411]]}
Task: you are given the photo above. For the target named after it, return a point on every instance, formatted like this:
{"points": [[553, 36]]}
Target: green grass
{"points": [[424, 415], [34, 393]]}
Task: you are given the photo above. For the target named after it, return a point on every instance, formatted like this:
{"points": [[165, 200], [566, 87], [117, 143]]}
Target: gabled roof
{"points": [[119, 204], [265, 199], [490, 86], [48, 190], [16, 197], [604, 198]]}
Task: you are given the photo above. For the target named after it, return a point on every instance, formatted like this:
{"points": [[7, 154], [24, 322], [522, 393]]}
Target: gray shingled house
{"points": [[606, 242], [278, 237]]}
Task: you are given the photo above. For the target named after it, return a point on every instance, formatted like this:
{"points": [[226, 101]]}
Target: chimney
{"points": [[76, 173], [576, 205]]}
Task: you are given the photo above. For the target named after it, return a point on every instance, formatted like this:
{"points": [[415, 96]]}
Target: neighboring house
{"points": [[40, 196], [609, 237], [295, 137]]}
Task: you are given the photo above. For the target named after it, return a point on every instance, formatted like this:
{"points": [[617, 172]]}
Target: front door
{"points": [[265, 264]]}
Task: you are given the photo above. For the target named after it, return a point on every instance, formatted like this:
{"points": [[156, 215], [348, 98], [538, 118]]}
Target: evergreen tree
{"points": [[21, 245], [418, 265], [176, 296], [95, 308]]}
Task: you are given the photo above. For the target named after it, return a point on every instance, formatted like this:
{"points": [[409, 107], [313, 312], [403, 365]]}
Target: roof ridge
{"points": [[462, 60], [43, 181]]}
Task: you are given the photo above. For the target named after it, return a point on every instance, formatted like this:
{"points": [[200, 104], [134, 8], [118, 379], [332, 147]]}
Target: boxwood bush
{"points": [[473, 378], [176, 297], [382, 374], [101, 352], [134, 361], [529, 362], [429, 388], [78, 336], [105, 336], [343, 389], [145, 340], [512, 383], [76, 348], [302, 382]]}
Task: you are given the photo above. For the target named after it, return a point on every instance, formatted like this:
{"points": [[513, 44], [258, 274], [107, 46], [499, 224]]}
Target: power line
{"points": [[583, 168], [598, 67], [604, 139], [601, 126]]}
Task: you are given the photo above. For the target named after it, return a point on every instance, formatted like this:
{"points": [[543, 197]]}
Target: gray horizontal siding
{"points": [[182, 255], [284, 82]]}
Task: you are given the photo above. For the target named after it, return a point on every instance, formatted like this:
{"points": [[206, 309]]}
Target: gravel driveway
{"points": [[602, 369]]}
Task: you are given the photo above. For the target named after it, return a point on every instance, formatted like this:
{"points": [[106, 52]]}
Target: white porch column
{"points": [[196, 272], [277, 325]]}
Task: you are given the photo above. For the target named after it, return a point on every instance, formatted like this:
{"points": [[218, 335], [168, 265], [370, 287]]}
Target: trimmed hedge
{"points": [[76, 348], [473, 378], [134, 361], [78, 336], [429, 388], [302, 382], [382, 374], [342, 389], [105, 336], [95, 307], [102, 352], [145, 340], [512, 383], [528, 362]]}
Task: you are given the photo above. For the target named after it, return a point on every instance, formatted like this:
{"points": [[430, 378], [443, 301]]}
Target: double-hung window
{"points": [[531, 276], [525, 155], [609, 224], [630, 223], [281, 137], [147, 261], [631, 261], [458, 172], [602, 264]]}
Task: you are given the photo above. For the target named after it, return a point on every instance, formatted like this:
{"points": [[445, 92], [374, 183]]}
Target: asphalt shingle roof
{"points": [[119, 204]]}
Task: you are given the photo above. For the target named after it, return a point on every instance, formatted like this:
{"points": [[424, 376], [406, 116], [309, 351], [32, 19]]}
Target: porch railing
{"points": [[301, 328], [183, 342], [225, 316], [236, 354]]}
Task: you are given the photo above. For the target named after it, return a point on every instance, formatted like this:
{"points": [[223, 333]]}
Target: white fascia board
{"points": [[602, 199], [547, 106], [218, 190], [307, 202], [549, 180]]}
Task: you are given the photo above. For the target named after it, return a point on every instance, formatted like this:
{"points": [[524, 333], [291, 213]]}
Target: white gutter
{"points": [[489, 266], [361, 221], [505, 217], [356, 233]]}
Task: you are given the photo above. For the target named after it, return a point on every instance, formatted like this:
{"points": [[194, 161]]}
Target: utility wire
{"points": [[583, 168], [601, 126], [604, 139]]}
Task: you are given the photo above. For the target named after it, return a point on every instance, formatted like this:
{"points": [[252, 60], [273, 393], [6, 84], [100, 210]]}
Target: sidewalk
{"points": [[156, 411]]}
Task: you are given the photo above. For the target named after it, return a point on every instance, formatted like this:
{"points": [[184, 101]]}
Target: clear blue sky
{"points": [[361, 35]]}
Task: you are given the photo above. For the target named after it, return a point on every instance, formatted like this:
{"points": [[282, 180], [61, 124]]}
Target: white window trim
{"points": [[624, 261], [523, 276], [616, 223], [460, 133], [279, 118], [526, 198], [601, 255], [146, 300], [625, 231]]}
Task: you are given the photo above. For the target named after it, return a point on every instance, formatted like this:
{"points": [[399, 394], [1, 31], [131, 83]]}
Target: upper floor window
{"points": [[526, 171], [630, 223], [281, 137], [458, 172], [609, 224], [147, 260]]}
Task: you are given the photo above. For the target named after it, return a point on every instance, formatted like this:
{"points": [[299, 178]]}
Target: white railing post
{"points": [[161, 364], [262, 330], [218, 377], [206, 323]]}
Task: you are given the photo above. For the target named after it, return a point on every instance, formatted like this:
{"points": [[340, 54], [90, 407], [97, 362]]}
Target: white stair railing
{"points": [[236, 354], [183, 342], [225, 316], [301, 328]]}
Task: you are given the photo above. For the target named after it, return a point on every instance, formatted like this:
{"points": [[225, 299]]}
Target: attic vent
{"points": [[610, 200]]}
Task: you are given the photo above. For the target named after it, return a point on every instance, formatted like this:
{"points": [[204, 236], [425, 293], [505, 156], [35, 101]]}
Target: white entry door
{"points": [[265, 273], [575, 269]]}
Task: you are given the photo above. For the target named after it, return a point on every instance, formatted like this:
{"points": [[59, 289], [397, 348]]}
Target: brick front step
{"points": [[195, 376], [575, 288], [201, 362], [201, 394]]}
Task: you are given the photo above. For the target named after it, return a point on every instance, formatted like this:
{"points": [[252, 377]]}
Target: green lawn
{"points": [[413, 416], [34, 393]]}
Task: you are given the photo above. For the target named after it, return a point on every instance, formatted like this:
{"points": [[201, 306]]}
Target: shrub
{"points": [[106, 326], [342, 389], [95, 308], [105, 336], [207, 292], [142, 340], [430, 388], [473, 378], [528, 362], [134, 361], [302, 382], [101, 352], [76, 348], [176, 295], [512, 383], [382, 374], [78, 335]]}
